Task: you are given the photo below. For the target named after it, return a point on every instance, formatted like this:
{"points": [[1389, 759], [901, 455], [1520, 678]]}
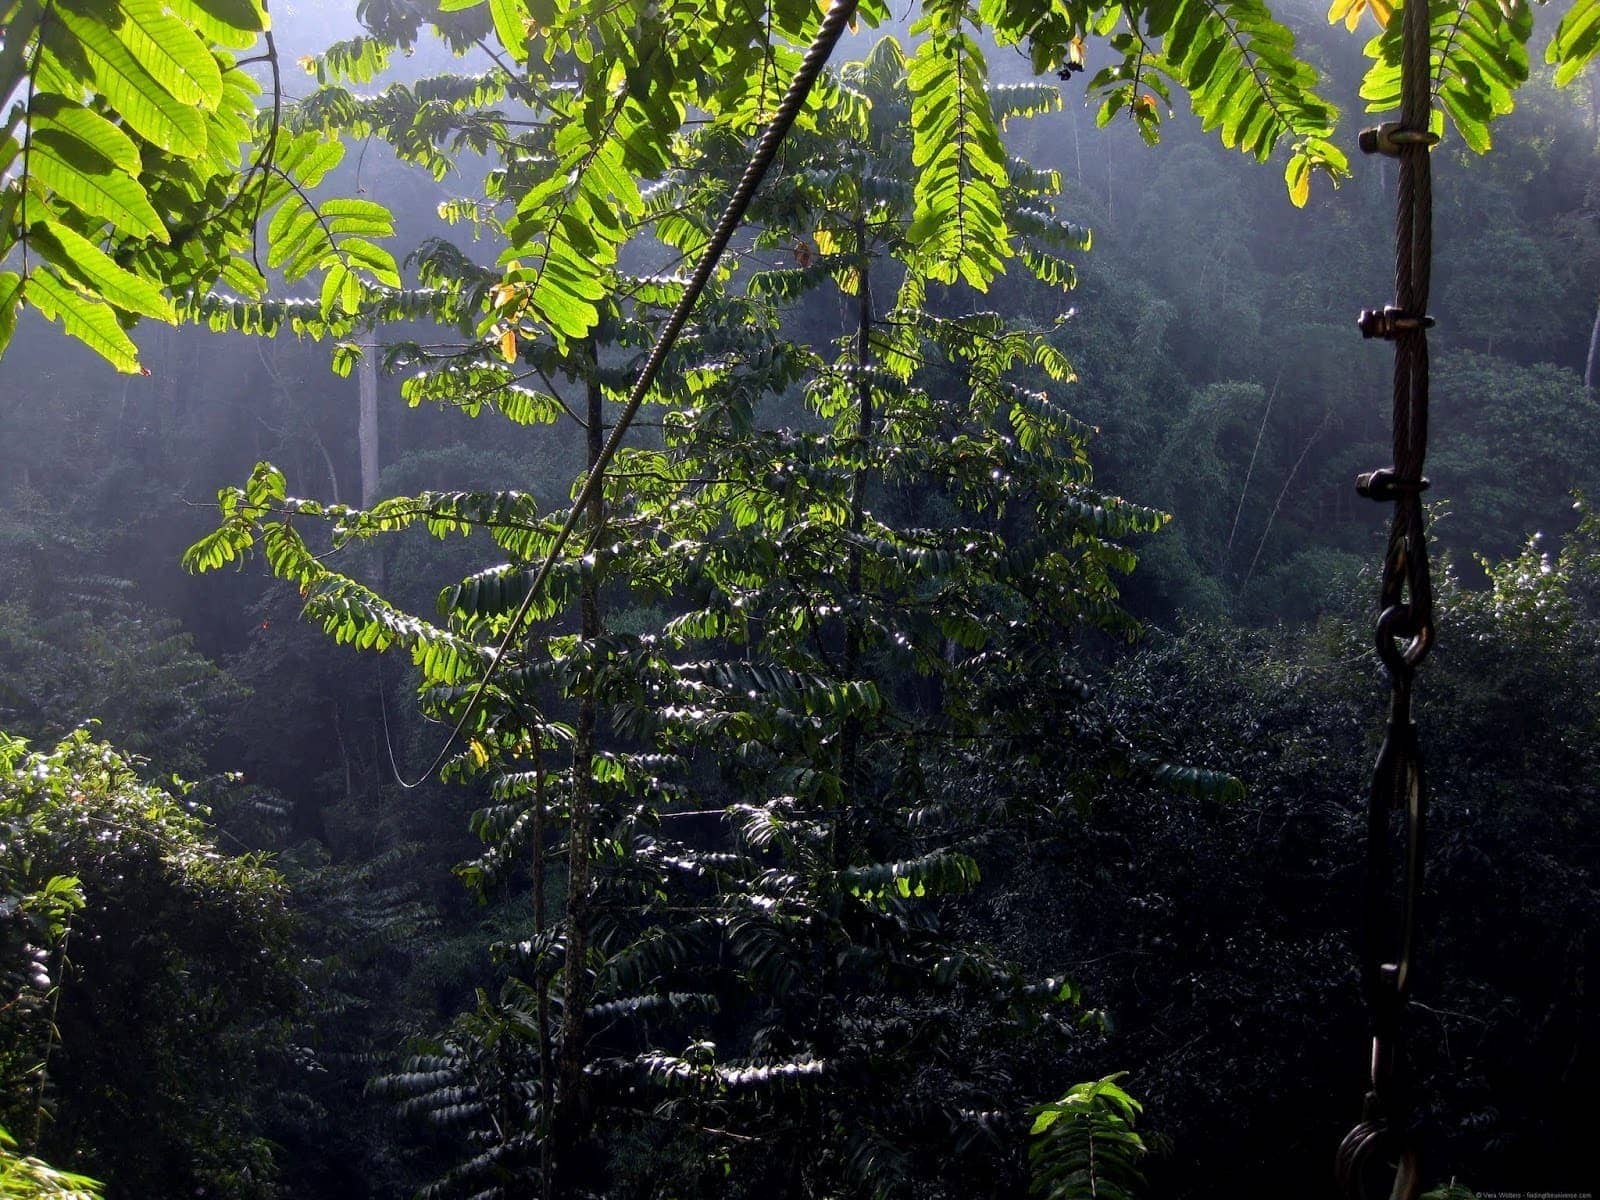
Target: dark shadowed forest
{"points": [[520, 681]]}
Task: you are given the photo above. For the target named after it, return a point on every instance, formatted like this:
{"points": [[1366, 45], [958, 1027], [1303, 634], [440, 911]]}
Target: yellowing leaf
{"points": [[479, 754], [508, 345], [1349, 11], [1297, 174]]}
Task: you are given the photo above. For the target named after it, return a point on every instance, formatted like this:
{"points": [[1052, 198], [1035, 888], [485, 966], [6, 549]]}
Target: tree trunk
{"points": [[864, 429], [367, 431], [1594, 351], [367, 444], [840, 838], [572, 1123], [850, 735], [542, 979]]}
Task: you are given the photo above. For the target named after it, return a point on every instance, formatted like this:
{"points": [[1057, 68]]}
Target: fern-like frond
{"points": [[1479, 58], [1084, 1146]]}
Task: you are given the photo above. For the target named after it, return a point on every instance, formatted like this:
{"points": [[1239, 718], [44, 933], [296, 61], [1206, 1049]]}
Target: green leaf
{"points": [[243, 278], [378, 262], [83, 177], [341, 290], [511, 26], [1239, 66], [13, 55], [169, 50], [293, 232], [310, 157], [1479, 55], [149, 109], [53, 112], [90, 321], [345, 356], [232, 23], [352, 216], [961, 162], [10, 302], [1084, 1146], [1576, 41], [80, 258], [1297, 177]]}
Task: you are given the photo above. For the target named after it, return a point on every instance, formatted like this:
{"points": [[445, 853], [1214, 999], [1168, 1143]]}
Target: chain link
{"points": [[1378, 1157]]}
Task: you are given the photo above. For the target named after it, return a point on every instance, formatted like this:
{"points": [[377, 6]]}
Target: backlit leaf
{"points": [[90, 321]]}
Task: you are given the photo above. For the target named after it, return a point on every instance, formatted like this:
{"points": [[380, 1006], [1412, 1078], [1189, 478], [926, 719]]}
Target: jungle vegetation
{"points": [[933, 765]]}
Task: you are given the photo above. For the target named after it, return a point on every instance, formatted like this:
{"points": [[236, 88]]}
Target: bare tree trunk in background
{"points": [[1282, 492], [1594, 351], [367, 432], [333, 476], [367, 441]]}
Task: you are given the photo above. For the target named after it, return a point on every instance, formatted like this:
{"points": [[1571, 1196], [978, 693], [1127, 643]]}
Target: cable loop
{"points": [[1398, 624], [1375, 1161]]}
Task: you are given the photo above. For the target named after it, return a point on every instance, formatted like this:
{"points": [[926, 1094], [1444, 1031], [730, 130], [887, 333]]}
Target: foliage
{"points": [[1478, 57], [1237, 920], [140, 172], [1576, 40], [816, 705], [72, 646], [1084, 1145], [23, 1177], [164, 924], [175, 132]]}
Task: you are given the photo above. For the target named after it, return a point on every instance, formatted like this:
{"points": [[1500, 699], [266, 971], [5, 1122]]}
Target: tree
{"points": [[154, 978], [743, 980], [1219, 935]]}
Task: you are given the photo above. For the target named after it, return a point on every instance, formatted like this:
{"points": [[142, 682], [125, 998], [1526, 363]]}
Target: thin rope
{"points": [[833, 25], [1249, 472]]}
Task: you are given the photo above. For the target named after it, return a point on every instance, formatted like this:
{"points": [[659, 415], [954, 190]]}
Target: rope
{"points": [[1378, 1157], [833, 25]]}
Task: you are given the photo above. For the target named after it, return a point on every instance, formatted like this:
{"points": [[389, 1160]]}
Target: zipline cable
{"points": [[1379, 1156], [839, 15]]}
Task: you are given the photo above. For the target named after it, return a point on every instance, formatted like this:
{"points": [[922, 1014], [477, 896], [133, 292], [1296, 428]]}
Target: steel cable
{"points": [[1378, 1157]]}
